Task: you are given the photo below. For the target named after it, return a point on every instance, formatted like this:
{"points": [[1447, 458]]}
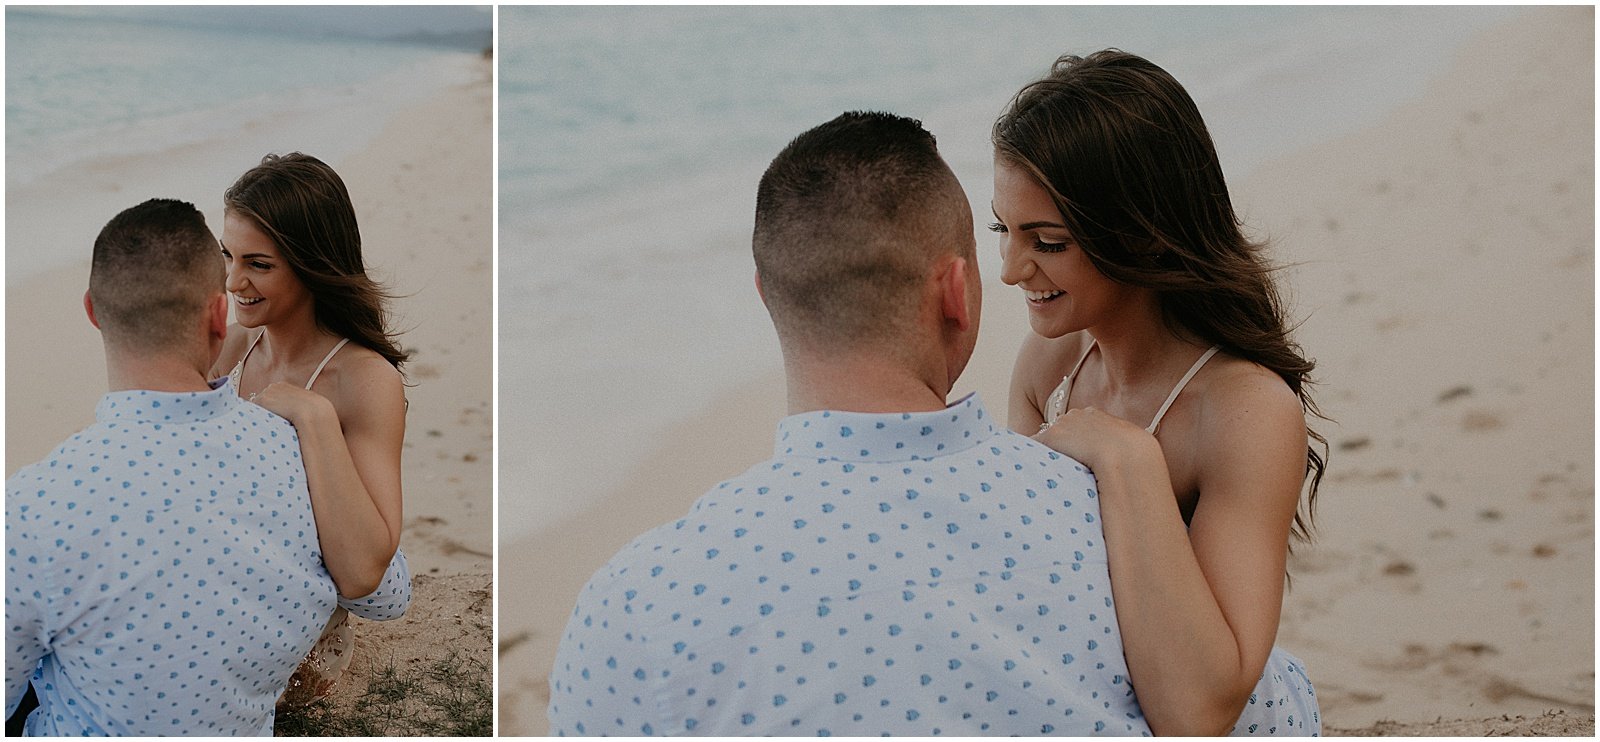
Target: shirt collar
{"points": [[144, 406], [902, 436]]}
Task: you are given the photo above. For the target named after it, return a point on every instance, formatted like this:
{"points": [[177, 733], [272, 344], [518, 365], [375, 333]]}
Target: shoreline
{"points": [[1389, 297], [333, 123]]}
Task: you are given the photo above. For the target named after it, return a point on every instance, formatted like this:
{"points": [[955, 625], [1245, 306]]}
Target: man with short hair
{"points": [[162, 569], [900, 566]]}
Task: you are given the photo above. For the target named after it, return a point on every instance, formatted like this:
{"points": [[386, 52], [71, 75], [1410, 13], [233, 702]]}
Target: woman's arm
{"points": [[1198, 609], [350, 442]]}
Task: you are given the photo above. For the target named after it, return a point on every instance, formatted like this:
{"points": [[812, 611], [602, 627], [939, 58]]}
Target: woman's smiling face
{"points": [[261, 283], [1064, 291]]}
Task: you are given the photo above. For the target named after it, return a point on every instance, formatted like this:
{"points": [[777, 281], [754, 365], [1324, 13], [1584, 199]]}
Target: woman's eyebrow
{"points": [[1029, 225], [224, 246]]}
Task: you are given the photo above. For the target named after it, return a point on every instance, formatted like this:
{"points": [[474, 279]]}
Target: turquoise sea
{"points": [[86, 82]]}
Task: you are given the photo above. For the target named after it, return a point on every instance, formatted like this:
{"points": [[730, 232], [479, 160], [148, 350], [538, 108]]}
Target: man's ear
{"points": [[954, 301], [759, 292], [88, 308], [217, 317]]}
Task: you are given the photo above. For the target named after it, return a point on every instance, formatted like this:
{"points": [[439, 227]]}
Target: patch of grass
{"points": [[451, 697]]}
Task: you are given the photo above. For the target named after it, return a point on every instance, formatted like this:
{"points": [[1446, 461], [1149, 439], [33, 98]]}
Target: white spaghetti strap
{"points": [[325, 359], [252, 347], [1206, 356]]}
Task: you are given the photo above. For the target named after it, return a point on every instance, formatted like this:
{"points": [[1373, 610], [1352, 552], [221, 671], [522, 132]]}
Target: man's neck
{"points": [[860, 383], [159, 372]]}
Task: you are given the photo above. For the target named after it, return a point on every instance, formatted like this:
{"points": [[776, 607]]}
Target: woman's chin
{"points": [[1047, 327]]}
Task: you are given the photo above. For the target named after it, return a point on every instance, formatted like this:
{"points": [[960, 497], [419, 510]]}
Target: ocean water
{"points": [[91, 85], [632, 140]]}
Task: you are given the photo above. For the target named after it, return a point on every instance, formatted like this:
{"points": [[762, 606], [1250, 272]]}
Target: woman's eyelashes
{"points": [[1038, 244], [256, 264]]}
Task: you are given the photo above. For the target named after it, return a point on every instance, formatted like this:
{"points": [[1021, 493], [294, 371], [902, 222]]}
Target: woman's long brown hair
{"points": [[1123, 151], [302, 204]]}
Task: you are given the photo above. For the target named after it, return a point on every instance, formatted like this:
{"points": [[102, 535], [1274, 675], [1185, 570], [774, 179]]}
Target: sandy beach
{"points": [[1444, 268], [423, 192]]}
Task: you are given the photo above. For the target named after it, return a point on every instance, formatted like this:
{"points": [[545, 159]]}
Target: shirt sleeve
{"points": [[605, 678], [27, 636], [391, 598]]}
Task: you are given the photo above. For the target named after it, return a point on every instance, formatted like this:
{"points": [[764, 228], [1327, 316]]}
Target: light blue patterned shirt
{"points": [[908, 574], [162, 570]]}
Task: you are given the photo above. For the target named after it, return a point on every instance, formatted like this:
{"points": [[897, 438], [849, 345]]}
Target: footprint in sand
{"points": [[424, 528], [1479, 421], [1500, 689], [1354, 444], [511, 642], [1456, 658], [452, 547], [1400, 568]]}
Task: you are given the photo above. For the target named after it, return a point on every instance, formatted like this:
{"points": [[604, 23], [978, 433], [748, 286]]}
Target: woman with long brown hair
{"points": [[312, 344], [1161, 359]]}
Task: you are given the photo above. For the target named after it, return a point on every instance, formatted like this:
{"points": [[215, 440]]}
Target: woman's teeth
{"points": [[247, 301], [1042, 295]]}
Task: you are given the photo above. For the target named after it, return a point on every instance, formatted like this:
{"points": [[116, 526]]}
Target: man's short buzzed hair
{"points": [[849, 217], [155, 266]]}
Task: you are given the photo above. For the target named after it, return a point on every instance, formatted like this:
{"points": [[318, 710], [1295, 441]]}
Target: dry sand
{"points": [[1447, 270], [423, 191], [1446, 265]]}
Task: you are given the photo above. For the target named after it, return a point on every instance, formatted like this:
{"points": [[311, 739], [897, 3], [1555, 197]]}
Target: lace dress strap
{"points": [[236, 376], [1056, 406]]}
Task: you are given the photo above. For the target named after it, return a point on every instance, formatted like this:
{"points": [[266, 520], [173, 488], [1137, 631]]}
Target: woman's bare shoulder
{"points": [[1243, 399], [360, 381]]}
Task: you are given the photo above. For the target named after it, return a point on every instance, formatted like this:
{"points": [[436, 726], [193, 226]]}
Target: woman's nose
{"points": [[235, 279], [1015, 267]]}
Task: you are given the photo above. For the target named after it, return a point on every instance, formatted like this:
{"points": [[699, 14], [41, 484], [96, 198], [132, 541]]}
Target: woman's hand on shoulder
{"points": [[296, 404], [1098, 439]]}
